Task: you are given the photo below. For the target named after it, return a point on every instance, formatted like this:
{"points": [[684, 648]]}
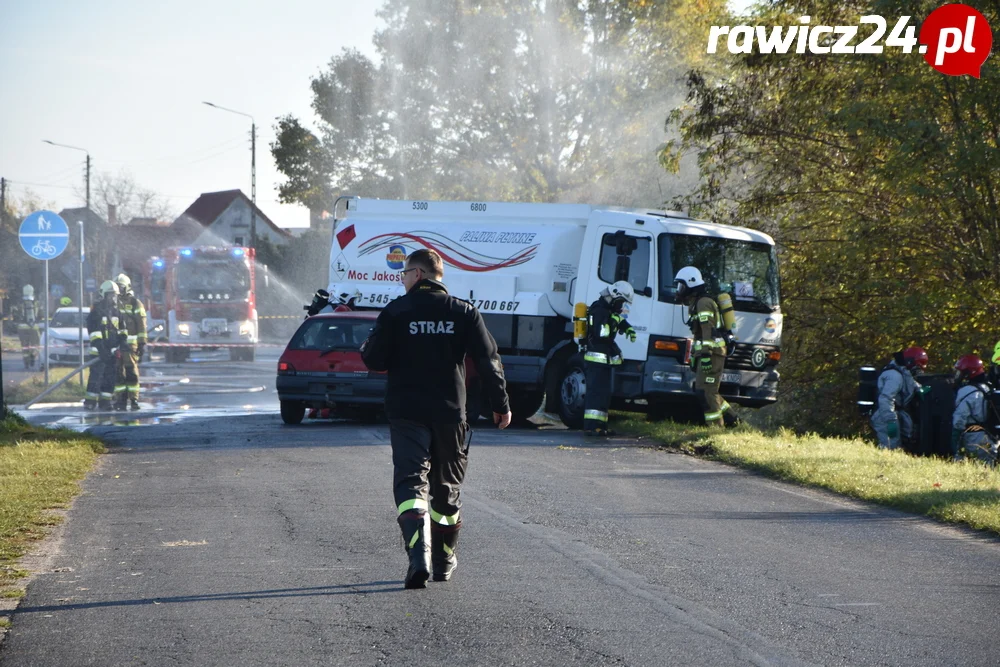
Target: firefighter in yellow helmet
{"points": [[134, 324], [105, 326]]}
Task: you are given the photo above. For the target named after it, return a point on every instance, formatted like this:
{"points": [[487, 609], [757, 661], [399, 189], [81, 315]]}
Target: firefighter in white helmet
{"points": [[106, 337], [708, 352], [604, 321]]}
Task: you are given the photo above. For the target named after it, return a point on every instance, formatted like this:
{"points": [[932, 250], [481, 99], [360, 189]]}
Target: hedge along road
{"points": [[242, 541]]}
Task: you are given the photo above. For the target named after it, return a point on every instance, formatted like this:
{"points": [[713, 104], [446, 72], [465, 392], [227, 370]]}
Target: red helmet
{"points": [[915, 356], [969, 366]]}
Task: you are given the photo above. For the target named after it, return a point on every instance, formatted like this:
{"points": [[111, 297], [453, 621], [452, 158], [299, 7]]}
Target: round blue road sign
{"points": [[44, 235]]}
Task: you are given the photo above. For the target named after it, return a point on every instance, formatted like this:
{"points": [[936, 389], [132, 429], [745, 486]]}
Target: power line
{"points": [[167, 158]]}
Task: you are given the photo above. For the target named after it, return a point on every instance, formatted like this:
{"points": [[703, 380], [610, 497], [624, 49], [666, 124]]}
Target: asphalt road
{"points": [[240, 541]]}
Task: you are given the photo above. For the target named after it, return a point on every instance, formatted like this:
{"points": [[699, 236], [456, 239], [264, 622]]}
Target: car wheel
{"points": [[292, 412], [572, 390]]}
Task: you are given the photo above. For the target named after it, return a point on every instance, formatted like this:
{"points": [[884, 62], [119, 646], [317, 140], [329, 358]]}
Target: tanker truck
{"points": [[528, 266]]}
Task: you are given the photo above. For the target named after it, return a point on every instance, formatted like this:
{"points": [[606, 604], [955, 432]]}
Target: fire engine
{"points": [[203, 297]]}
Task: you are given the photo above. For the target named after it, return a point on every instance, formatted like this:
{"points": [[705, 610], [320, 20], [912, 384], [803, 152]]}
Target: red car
{"points": [[321, 368]]}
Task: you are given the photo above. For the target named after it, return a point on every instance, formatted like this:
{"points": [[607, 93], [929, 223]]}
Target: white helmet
{"points": [[109, 286], [622, 290], [690, 276], [123, 281]]}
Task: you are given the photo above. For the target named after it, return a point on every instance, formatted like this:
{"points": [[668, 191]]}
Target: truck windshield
{"points": [[222, 277], [747, 270]]}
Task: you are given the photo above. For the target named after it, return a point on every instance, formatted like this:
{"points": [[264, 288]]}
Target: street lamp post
{"points": [[253, 171], [46, 141]]}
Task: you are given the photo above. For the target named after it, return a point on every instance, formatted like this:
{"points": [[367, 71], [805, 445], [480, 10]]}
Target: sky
{"points": [[125, 81]]}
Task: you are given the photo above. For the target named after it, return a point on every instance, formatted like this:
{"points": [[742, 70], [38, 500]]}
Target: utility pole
{"points": [[87, 176], [3, 200], [253, 171]]}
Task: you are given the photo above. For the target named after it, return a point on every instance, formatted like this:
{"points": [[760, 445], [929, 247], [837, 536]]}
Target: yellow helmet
{"points": [[996, 353], [65, 301]]}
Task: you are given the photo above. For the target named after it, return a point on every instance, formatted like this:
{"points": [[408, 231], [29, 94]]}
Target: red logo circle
{"points": [[956, 39]]}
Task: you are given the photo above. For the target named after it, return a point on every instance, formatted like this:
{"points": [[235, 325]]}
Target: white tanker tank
{"points": [[504, 258]]}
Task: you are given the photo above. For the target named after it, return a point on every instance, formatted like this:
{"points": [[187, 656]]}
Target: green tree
{"points": [[526, 100], [878, 177]]}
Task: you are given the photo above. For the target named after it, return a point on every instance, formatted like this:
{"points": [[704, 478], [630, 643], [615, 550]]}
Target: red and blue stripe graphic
{"points": [[454, 254]]}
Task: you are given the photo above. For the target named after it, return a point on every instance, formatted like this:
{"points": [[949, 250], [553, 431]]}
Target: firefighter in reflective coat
{"points": [[604, 322], [896, 389], [134, 323], [971, 423], [421, 339], [106, 336], [27, 328], [708, 351]]}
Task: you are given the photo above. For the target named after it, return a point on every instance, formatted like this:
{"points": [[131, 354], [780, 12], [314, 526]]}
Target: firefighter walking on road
{"points": [[134, 323], [604, 321], [105, 326], [708, 352], [421, 339]]}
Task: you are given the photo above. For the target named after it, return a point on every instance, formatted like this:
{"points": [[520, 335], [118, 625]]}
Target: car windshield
{"points": [[747, 270], [324, 333], [68, 318]]}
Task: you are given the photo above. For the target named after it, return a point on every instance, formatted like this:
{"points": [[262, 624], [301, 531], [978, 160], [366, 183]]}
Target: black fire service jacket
{"points": [[422, 339]]}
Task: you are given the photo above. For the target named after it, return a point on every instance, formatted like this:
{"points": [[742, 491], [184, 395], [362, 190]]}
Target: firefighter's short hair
{"points": [[428, 260]]}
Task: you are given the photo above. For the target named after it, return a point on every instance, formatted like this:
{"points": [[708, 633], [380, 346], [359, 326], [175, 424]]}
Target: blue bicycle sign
{"points": [[43, 235]]}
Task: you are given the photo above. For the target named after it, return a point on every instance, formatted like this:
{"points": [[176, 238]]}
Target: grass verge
{"points": [[35, 384], [40, 470], [966, 492]]}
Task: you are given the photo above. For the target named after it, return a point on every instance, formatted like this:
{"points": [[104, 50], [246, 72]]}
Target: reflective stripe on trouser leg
{"points": [[445, 520], [706, 384], [597, 397]]}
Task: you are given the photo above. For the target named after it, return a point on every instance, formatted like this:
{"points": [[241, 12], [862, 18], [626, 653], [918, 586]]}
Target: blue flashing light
{"points": [[187, 252], [158, 264], [237, 252]]}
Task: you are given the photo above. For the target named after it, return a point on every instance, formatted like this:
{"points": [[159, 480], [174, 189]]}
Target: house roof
{"points": [[207, 208], [71, 215]]}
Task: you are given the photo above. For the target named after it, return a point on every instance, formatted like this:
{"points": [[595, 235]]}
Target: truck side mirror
{"points": [[647, 291]]}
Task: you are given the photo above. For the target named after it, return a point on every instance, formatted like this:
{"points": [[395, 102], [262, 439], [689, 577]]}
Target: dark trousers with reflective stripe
{"points": [[127, 380], [597, 398], [101, 383], [706, 386], [429, 460]]}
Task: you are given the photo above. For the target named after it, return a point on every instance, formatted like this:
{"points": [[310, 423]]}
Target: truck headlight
{"points": [[246, 328], [184, 329]]}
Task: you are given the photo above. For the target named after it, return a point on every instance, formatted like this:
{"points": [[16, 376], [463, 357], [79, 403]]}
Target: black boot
{"points": [[730, 420], [416, 537], [133, 404], [444, 541], [105, 405]]}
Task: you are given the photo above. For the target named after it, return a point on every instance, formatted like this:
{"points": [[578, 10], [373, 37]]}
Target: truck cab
{"points": [[526, 266]]}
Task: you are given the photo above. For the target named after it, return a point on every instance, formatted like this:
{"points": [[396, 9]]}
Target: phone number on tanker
{"points": [[502, 306]]}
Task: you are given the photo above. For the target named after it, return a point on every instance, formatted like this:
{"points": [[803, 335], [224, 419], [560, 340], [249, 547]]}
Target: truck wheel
{"points": [[292, 412], [572, 389]]}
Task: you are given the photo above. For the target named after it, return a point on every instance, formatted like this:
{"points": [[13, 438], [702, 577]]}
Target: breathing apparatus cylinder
{"points": [[580, 321], [726, 311]]}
